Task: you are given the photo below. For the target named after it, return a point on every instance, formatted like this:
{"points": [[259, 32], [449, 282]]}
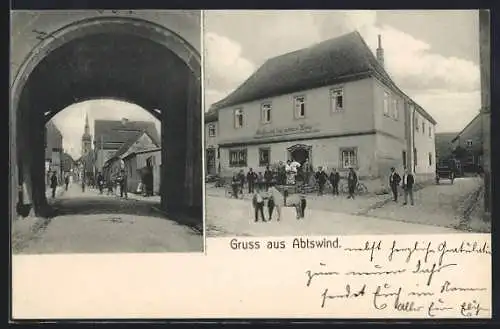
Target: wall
{"points": [[211, 143], [325, 152], [185, 23], [143, 143], [424, 144], [393, 125], [53, 138], [356, 117], [103, 156]]}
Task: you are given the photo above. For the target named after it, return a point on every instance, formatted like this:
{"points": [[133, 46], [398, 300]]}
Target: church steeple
{"points": [[86, 138]]}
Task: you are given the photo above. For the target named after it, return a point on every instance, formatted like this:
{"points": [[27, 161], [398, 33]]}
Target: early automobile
{"points": [[446, 169]]}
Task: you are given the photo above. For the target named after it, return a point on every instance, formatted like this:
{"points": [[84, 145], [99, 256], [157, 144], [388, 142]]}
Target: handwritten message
{"points": [[389, 277], [429, 287]]}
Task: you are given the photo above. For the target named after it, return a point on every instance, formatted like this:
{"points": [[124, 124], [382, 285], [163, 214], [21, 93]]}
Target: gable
{"points": [[143, 143]]}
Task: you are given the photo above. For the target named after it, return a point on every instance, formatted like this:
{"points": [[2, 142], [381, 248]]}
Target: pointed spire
{"points": [[86, 120]]}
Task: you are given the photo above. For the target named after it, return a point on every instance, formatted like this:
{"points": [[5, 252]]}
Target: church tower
{"points": [[86, 138]]}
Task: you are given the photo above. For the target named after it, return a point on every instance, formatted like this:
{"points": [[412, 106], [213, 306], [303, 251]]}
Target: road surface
{"points": [[88, 222]]}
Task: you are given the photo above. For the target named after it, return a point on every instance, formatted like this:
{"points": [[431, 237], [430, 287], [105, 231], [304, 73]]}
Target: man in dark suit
{"points": [[53, 183], [251, 178], [334, 180], [394, 180], [321, 179], [408, 182]]}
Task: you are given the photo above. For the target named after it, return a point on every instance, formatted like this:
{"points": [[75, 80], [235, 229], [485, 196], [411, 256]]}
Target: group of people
{"points": [[407, 182], [288, 174], [54, 183], [120, 180]]}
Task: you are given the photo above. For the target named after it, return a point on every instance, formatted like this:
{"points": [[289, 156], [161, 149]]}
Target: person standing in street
{"points": [[408, 182], [83, 184], [268, 177], [251, 178], [352, 182], [258, 204], [53, 183], [122, 180], [66, 182], [321, 178], [394, 180], [278, 202], [100, 182], [334, 180], [241, 177]]}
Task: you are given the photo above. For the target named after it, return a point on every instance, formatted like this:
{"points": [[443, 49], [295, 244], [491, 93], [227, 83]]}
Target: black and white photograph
{"points": [[346, 122], [106, 151]]}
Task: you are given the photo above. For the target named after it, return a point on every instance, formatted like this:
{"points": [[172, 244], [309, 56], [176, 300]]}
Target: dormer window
{"points": [[211, 130]]}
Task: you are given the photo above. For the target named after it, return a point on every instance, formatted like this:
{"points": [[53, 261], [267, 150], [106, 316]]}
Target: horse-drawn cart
{"points": [[446, 169]]}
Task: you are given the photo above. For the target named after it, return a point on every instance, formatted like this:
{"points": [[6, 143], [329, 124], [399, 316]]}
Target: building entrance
{"points": [[299, 153]]}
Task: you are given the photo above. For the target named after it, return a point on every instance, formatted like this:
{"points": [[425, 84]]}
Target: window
{"points": [[430, 159], [265, 110], [238, 158], [238, 118], [348, 157], [211, 130], [416, 122], [468, 142], [300, 106], [404, 158], [423, 127], [415, 157], [395, 110], [386, 103], [337, 99], [264, 157]]}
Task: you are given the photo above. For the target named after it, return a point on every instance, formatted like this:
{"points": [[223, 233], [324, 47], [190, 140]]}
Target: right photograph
{"points": [[347, 122]]}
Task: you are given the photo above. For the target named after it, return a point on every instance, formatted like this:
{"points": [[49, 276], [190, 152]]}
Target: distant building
{"points": [[110, 135], [86, 137], [53, 151], [332, 103], [127, 158], [468, 145], [141, 163], [211, 148], [444, 146]]}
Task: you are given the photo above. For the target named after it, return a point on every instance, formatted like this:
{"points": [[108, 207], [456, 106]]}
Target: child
{"points": [[258, 204]]}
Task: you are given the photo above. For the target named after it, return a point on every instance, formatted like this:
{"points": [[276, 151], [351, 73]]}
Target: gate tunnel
{"points": [[118, 58]]}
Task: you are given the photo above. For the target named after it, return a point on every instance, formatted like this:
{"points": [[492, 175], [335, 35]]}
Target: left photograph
{"points": [[106, 131]]}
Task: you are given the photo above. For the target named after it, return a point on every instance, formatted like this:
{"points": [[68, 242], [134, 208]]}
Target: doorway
{"points": [[300, 153], [211, 170]]}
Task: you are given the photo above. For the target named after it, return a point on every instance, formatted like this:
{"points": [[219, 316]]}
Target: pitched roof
{"points": [[128, 144], [211, 115], [336, 60], [472, 124], [114, 132]]}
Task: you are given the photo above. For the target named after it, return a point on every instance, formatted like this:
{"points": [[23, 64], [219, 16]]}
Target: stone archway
{"points": [[73, 53], [300, 153]]}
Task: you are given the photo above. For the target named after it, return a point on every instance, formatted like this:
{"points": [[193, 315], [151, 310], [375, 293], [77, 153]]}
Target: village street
{"points": [[437, 210], [88, 222]]}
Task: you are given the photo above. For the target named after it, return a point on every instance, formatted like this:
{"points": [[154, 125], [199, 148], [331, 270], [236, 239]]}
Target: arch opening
{"points": [[118, 60]]}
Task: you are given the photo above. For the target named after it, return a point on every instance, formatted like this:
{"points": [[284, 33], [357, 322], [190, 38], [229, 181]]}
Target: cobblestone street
{"points": [[88, 222], [436, 210]]}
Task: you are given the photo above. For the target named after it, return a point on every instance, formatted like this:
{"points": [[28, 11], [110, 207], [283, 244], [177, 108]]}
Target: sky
{"points": [[71, 120], [433, 56]]}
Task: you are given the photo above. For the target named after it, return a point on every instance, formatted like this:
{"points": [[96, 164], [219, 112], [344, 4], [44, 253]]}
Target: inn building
{"points": [[332, 103]]}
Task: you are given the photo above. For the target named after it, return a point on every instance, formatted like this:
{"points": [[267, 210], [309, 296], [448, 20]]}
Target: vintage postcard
{"points": [[338, 163]]}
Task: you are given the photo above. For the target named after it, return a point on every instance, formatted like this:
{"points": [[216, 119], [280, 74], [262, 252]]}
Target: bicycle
{"points": [[359, 190]]}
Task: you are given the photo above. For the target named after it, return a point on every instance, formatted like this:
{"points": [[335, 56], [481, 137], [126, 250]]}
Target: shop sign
{"points": [[300, 129]]}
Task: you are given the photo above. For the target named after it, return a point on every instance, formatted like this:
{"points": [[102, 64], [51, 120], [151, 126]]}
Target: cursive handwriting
{"points": [[469, 309], [410, 251], [370, 246], [465, 248], [311, 275], [377, 272], [447, 287], [431, 271], [348, 294], [433, 308]]}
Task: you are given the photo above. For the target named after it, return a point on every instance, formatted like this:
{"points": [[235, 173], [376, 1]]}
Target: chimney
{"points": [[124, 121], [380, 51]]}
